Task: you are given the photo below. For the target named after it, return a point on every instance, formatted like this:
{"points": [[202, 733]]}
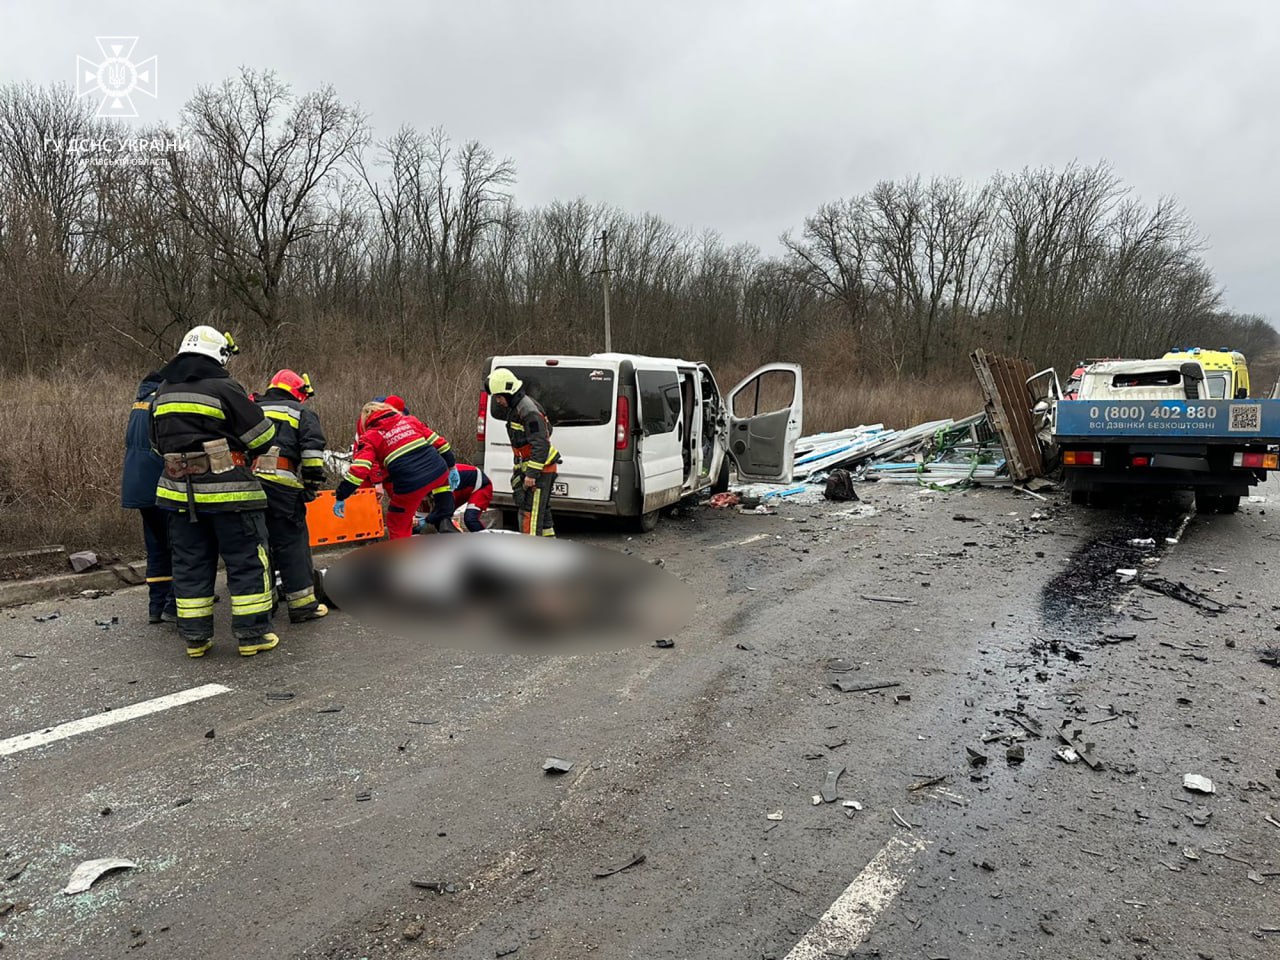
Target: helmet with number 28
{"points": [[207, 341]]}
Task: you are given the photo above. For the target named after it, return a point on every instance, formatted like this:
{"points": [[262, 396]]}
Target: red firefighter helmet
{"points": [[299, 386]]}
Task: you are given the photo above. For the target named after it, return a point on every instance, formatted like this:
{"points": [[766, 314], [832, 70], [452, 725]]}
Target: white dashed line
{"points": [[848, 921], [40, 738]]}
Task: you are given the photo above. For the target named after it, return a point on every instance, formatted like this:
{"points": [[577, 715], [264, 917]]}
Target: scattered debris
{"points": [[1067, 755], [47, 617], [864, 686], [1270, 656], [924, 784], [1190, 853], [601, 872], [1074, 738], [83, 560], [840, 486], [15, 872], [776, 815], [1180, 591], [830, 786], [878, 599], [666, 643], [852, 805], [901, 698], [1026, 723], [1256, 877], [106, 623], [902, 822], [332, 708], [86, 874], [554, 765], [1198, 784], [435, 886], [364, 795], [1016, 753], [1142, 542], [721, 500], [281, 696], [413, 931], [976, 759], [745, 646], [1200, 816]]}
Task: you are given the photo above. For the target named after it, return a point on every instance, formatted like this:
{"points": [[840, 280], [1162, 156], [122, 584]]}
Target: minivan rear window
{"points": [[571, 396]]}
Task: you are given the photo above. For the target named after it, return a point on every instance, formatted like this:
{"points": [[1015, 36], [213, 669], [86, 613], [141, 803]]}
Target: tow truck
{"points": [[1149, 425]]}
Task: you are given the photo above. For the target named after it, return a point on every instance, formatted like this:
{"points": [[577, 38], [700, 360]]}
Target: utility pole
{"points": [[604, 269]]}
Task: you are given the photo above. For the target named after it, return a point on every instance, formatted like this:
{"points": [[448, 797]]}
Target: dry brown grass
{"points": [[60, 464]]}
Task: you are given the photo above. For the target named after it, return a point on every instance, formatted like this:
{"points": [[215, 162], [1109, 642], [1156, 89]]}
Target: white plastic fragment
{"points": [[817, 800], [85, 875], [1067, 755], [853, 804], [1143, 542], [776, 815], [1198, 784], [1126, 574]]}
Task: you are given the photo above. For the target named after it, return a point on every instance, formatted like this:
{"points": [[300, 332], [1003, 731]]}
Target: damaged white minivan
{"points": [[638, 434]]}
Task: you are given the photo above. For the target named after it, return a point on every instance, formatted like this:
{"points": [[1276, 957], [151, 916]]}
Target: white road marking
{"points": [[40, 738], [848, 921]]}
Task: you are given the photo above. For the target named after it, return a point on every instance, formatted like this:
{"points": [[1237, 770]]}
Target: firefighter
{"points": [[142, 467], [535, 457], [474, 492], [291, 471], [207, 430], [415, 467]]}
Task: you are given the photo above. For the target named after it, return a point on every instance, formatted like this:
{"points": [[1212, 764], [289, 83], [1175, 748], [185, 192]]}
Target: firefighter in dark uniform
{"points": [[142, 467], [291, 471], [535, 458], [207, 429]]}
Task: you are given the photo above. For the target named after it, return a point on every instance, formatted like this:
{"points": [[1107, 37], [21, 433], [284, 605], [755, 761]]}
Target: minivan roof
{"points": [[539, 358]]}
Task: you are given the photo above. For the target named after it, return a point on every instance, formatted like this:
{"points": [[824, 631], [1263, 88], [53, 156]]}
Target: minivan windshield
{"points": [[571, 396]]}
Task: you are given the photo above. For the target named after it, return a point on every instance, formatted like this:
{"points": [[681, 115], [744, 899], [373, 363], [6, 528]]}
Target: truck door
{"points": [[766, 412], [660, 449]]}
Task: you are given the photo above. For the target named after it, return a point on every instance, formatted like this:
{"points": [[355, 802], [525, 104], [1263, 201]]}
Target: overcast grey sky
{"points": [[745, 116]]}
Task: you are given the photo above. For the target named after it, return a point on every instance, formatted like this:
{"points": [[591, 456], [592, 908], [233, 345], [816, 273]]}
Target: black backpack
{"points": [[840, 486]]}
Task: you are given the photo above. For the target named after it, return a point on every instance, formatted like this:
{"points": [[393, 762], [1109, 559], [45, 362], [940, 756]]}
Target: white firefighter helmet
{"points": [[503, 381], [209, 342]]}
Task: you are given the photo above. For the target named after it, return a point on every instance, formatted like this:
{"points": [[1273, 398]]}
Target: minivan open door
{"points": [[766, 412]]}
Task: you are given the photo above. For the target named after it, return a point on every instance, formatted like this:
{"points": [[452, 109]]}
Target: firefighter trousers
{"points": [[534, 505], [240, 538], [289, 545], [155, 535]]}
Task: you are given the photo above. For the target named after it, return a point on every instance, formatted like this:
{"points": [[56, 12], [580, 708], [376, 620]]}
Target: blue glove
{"points": [[340, 508], [455, 479]]}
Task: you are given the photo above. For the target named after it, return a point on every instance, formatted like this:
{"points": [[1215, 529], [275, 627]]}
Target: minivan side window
{"points": [[659, 400]]}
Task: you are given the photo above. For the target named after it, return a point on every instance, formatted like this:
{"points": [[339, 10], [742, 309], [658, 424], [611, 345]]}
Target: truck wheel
{"points": [[647, 522], [1228, 504], [1080, 498], [722, 481], [1207, 502]]}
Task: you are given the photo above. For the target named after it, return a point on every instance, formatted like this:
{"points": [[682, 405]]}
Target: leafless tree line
{"points": [[280, 215]]}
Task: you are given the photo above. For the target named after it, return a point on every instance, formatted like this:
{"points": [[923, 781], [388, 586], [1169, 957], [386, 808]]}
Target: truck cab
{"points": [[638, 434]]}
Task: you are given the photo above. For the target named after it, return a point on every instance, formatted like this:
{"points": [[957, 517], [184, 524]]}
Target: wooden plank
{"points": [[1008, 404]]}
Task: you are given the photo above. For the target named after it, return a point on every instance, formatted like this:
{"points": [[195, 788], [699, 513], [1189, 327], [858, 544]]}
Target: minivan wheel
{"points": [[722, 481], [647, 522]]}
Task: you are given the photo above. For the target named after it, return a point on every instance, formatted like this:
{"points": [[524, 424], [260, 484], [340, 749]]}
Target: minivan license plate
{"points": [[560, 489]]}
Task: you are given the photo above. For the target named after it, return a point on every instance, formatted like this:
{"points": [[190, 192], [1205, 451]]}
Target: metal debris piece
{"points": [[1256, 877], [923, 784], [745, 646], [435, 886], [86, 874], [831, 786], [364, 795], [838, 665], [1200, 816], [776, 815], [1074, 738], [1026, 723], [1190, 853], [852, 805], [976, 759], [864, 686], [1067, 755], [1197, 784], [556, 765], [1016, 754], [879, 599], [666, 643], [1180, 591], [48, 616], [1270, 656], [835, 744], [282, 696], [332, 708], [901, 821], [901, 697], [601, 872]]}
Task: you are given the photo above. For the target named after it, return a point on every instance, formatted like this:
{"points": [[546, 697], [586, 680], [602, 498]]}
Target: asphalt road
{"points": [[290, 815]]}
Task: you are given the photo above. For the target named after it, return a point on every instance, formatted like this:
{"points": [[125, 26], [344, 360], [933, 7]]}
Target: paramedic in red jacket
{"points": [[475, 492], [398, 445]]}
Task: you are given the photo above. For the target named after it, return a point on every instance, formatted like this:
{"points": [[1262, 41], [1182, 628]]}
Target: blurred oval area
{"points": [[506, 591]]}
